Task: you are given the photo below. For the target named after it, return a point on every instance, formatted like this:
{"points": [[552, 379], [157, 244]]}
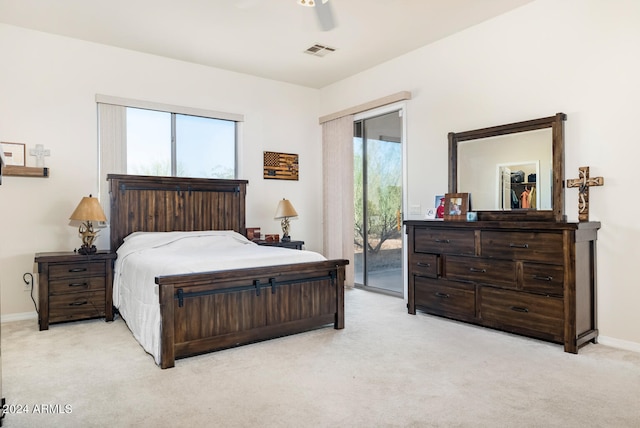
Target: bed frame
{"points": [[208, 311]]}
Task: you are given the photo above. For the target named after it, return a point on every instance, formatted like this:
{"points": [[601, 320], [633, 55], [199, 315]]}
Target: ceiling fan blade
{"points": [[325, 15]]}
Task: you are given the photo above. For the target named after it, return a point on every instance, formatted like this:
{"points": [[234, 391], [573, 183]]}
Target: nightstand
{"points": [[74, 287], [296, 245]]}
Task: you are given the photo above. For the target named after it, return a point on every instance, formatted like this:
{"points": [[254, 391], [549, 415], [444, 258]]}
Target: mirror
{"points": [[513, 171]]}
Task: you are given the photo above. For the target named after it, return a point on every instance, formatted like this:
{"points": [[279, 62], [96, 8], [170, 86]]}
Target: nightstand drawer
{"points": [[73, 306], [76, 270], [71, 285]]}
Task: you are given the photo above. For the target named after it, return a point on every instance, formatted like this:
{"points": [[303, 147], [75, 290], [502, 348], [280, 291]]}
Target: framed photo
{"points": [[439, 206], [456, 206], [13, 153], [253, 233]]}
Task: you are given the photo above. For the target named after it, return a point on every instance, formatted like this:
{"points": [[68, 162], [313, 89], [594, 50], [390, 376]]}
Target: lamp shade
{"points": [[88, 209], [285, 209]]}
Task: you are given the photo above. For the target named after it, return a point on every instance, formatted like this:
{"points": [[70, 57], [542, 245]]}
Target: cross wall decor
{"points": [[583, 182]]}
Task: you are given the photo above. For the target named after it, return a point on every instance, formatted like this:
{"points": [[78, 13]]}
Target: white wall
{"points": [[47, 96], [573, 56]]}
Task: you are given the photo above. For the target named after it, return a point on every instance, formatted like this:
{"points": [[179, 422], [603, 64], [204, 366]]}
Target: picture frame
{"points": [[253, 233], [430, 214], [14, 153], [438, 204], [456, 206], [280, 166]]}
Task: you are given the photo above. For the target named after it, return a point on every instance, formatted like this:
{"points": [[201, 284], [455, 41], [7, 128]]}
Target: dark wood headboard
{"points": [[167, 204]]}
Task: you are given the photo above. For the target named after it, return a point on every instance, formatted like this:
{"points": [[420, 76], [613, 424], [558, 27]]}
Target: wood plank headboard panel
{"points": [[167, 204]]}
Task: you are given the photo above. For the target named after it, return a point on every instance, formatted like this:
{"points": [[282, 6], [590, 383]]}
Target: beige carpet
{"points": [[386, 369]]}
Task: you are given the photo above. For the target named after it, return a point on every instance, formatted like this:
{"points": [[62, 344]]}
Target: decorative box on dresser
{"points": [[536, 279], [73, 286]]}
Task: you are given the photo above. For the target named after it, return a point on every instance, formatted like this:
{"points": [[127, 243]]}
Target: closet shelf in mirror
{"points": [[25, 171]]}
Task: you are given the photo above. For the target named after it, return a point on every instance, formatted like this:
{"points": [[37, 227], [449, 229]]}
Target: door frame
{"points": [[400, 106]]}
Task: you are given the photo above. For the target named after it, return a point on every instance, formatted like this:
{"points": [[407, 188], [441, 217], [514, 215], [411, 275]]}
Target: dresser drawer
{"points": [[76, 270], [444, 241], [424, 265], [72, 306], [536, 246], [520, 312], [446, 297], [481, 270], [545, 279], [74, 285]]}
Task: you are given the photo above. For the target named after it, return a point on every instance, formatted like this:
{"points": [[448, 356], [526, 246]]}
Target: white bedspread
{"points": [[145, 255]]}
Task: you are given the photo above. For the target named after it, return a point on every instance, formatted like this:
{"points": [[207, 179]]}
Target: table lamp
{"points": [[88, 211], [284, 212]]}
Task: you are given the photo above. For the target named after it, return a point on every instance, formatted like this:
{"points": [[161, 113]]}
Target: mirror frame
{"points": [[556, 123]]}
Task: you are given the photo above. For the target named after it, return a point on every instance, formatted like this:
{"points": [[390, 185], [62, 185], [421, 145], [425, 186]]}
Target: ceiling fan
{"points": [[323, 13]]}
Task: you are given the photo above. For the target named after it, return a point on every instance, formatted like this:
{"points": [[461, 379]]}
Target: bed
{"points": [[203, 310]]}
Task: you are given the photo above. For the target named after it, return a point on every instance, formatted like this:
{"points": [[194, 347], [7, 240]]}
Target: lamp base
{"points": [[285, 238], [85, 250]]}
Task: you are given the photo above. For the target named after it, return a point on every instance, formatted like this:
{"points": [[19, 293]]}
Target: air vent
{"points": [[319, 50]]}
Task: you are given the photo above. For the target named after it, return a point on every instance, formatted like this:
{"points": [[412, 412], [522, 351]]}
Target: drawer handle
{"points": [[424, 264], [512, 245], [79, 284], [519, 309], [442, 241], [542, 278], [443, 295], [477, 270], [78, 270], [84, 302]]}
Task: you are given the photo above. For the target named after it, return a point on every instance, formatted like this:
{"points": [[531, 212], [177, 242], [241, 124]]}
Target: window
{"points": [[183, 145]]}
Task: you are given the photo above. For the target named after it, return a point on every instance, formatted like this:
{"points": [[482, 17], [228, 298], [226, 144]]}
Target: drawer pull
{"points": [[542, 278], [78, 270], [442, 241], [443, 295], [424, 264], [477, 270], [512, 245], [519, 309], [79, 284], [84, 302]]}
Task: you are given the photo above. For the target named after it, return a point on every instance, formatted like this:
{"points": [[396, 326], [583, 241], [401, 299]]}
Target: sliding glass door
{"points": [[377, 149]]}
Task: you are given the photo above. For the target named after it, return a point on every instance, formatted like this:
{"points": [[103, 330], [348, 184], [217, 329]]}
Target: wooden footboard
{"points": [[208, 311]]}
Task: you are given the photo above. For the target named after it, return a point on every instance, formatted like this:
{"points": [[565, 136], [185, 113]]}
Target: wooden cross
{"points": [[583, 182], [40, 152]]}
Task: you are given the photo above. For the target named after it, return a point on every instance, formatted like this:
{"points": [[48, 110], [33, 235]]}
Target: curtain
{"points": [[112, 149], [338, 212]]}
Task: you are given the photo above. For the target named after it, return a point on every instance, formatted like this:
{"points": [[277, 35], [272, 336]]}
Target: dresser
{"points": [[73, 286], [536, 279]]}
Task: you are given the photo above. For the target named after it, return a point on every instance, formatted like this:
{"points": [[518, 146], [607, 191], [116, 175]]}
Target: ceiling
{"points": [[265, 38]]}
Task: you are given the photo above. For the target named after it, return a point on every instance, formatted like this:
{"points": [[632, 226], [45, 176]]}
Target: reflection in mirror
{"points": [[505, 172]]}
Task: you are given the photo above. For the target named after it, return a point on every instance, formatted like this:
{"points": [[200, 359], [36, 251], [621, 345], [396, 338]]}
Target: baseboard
{"points": [[19, 317], [618, 343]]}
